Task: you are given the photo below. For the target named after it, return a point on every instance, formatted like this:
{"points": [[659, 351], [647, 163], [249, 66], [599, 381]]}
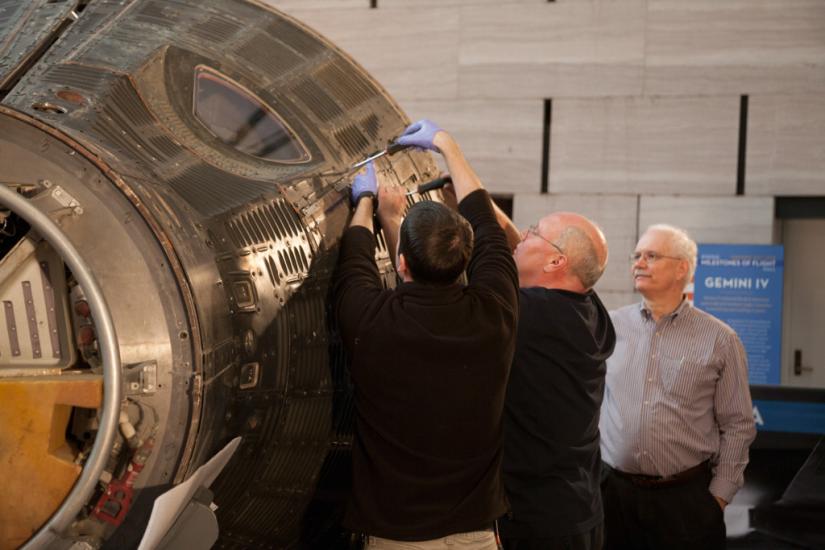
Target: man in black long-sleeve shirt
{"points": [[430, 360], [551, 420]]}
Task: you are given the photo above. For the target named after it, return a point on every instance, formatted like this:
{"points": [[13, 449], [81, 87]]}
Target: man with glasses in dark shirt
{"points": [[551, 417]]}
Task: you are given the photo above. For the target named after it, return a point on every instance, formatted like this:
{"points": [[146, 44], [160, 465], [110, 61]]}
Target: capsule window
{"points": [[242, 120]]}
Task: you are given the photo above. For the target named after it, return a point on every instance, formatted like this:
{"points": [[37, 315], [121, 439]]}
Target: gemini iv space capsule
{"points": [[174, 188]]}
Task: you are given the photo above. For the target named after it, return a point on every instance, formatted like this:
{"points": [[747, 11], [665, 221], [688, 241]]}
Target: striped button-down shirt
{"points": [[676, 395]]}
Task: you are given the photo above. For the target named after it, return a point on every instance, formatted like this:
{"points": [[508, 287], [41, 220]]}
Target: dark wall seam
{"points": [[545, 146], [743, 145]]}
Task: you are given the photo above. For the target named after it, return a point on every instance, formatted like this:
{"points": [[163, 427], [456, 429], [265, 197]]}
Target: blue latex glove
{"points": [[420, 134], [364, 182]]}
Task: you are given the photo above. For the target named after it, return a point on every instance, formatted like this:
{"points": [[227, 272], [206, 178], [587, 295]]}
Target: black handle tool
{"points": [[437, 183]]}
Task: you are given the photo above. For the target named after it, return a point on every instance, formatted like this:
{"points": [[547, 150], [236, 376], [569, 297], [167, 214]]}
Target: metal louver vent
{"points": [[293, 261], [165, 145], [352, 140], [318, 101], [157, 13], [269, 55], [349, 89], [296, 37], [211, 191], [271, 222], [76, 76], [272, 271], [125, 121], [216, 29], [267, 516], [371, 125], [310, 368]]}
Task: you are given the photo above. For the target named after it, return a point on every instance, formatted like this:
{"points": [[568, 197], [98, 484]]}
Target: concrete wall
{"points": [[645, 98]]}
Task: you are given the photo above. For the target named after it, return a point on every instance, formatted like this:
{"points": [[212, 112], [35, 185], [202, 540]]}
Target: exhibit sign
{"points": [[742, 286], [802, 417]]}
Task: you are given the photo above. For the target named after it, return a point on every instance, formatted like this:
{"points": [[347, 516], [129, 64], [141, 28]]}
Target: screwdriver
{"points": [[437, 183], [392, 149]]}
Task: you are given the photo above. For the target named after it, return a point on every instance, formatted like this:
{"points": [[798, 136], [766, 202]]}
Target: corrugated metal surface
{"points": [[257, 256], [25, 27]]}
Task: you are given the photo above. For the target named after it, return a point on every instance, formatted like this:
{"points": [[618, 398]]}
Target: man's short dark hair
{"points": [[436, 243]]}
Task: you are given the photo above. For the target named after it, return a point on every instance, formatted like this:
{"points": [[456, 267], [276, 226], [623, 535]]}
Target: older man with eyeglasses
{"points": [[677, 419], [551, 414]]}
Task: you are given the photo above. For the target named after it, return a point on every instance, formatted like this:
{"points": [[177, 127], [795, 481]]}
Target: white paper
{"points": [[170, 504]]}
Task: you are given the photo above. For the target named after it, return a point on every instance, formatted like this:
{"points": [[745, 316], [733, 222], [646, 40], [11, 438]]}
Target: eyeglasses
{"points": [[650, 257], [534, 230]]}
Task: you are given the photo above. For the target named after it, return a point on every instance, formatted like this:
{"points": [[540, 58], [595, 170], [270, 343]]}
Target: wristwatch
{"points": [[367, 194]]}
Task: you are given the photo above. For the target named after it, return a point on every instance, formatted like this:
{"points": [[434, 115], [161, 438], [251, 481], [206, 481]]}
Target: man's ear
{"points": [[403, 270], [558, 261], [684, 269]]}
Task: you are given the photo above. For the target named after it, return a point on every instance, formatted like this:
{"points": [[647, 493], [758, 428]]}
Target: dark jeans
{"points": [[591, 540], [684, 516]]}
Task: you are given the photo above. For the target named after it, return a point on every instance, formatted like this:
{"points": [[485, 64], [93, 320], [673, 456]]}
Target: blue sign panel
{"points": [[742, 285], [789, 416]]}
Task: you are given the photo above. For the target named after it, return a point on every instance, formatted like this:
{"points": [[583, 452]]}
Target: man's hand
{"points": [[722, 502], [420, 134], [364, 184], [424, 134], [392, 202]]}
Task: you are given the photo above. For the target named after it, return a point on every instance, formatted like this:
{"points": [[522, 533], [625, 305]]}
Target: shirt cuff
{"points": [[723, 489], [360, 233]]}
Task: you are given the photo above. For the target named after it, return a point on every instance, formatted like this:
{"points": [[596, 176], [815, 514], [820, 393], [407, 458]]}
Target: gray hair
{"points": [[580, 251], [682, 245]]}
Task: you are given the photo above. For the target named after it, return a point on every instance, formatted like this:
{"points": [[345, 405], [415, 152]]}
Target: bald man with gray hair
{"points": [[551, 414], [677, 419]]}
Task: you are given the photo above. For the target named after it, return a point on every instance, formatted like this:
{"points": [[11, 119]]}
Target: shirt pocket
{"points": [[679, 376]]}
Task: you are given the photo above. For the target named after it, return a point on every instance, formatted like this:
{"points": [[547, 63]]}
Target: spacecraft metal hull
{"points": [[212, 233]]}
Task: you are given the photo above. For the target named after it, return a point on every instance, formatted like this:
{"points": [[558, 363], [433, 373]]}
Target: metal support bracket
{"points": [[141, 378]]}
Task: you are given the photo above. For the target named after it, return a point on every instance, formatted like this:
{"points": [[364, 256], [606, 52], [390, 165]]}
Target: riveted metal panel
{"points": [[25, 29], [252, 244]]}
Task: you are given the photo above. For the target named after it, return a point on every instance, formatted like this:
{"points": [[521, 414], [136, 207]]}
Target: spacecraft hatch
{"points": [[174, 188]]}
